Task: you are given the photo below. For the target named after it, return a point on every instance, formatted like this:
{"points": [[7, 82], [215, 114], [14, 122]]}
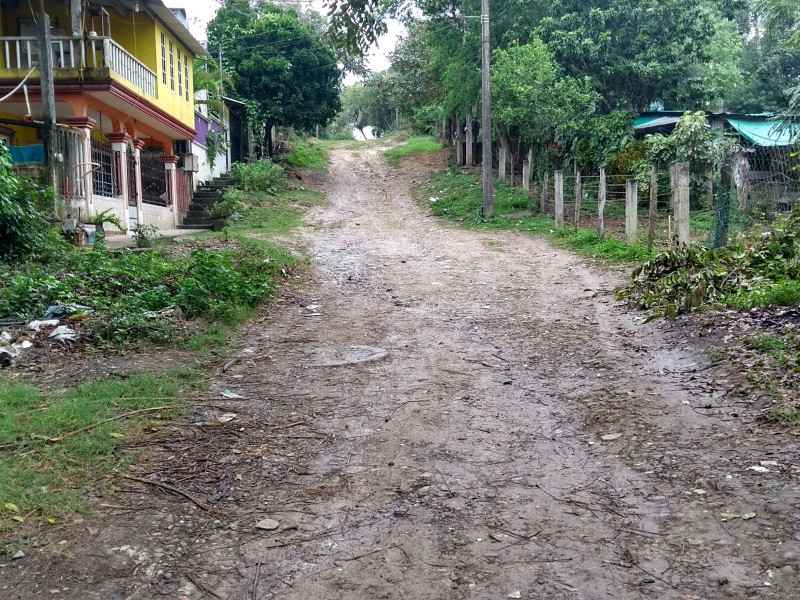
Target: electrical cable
{"points": [[19, 85]]}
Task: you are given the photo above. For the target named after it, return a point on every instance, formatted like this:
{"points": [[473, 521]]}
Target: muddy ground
{"points": [[445, 414]]}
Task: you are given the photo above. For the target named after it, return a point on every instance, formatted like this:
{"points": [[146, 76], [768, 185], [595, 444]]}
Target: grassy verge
{"points": [[276, 214], [306, 155], [57, 449], [127, 296], [776, 369], [415, 145], [455, 196]]}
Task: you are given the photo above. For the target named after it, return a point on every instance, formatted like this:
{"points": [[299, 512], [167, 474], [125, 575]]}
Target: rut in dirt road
{"points": [[447, 414], [521, 438]]}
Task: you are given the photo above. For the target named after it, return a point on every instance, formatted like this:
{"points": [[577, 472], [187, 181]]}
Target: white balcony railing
{"points": [[68, 53]]}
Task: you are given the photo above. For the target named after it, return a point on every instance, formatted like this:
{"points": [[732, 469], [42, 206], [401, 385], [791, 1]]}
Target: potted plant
{"points": [[229, 207], [98, 220]]}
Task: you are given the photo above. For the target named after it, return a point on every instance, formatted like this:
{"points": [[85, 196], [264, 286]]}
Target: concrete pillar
{"points": [[119, 144], [170, 165], [83, 175], [137, 156]]}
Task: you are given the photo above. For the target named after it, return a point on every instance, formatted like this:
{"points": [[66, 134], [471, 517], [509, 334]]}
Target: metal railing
{"points": [[69, 53]]}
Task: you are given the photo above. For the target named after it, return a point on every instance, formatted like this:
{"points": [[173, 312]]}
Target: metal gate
{"points": [[154, 179]]}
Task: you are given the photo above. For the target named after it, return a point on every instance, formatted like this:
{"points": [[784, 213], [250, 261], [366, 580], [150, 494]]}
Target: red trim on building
{"points": [[81, 122], [138, 144], [169, 159], [118, 137], [115, 89]]}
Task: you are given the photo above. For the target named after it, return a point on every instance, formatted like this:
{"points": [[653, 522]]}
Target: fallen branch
{"points": [[70, 434], [172, 489], [104, 421], [289, 426]]}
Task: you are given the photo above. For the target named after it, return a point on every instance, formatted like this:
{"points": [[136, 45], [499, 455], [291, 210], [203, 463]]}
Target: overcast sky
{"points": [[200, 13]]}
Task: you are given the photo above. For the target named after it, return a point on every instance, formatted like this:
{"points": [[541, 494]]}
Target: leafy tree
{"points": [[280, 65], [534, 97], [637, 51], [367, 105]]}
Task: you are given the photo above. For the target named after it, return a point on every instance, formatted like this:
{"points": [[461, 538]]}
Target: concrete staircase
{"points": [[204, 197]]}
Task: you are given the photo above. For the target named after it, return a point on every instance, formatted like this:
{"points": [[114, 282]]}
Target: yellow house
{"points": [[124, 95]]}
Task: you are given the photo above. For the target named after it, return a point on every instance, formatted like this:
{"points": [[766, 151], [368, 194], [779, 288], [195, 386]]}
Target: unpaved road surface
{"points": [[445, 414]]}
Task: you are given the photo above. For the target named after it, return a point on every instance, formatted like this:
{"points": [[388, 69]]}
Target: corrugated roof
{"points": [[766, 133], [653, 122]]}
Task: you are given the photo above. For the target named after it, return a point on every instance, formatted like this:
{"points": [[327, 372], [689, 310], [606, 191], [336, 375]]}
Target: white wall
{"points": [[205, 173], [103, 203], [159, 216]]}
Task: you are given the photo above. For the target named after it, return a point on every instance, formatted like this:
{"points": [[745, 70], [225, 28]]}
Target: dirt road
{"points": [[445, 414]]}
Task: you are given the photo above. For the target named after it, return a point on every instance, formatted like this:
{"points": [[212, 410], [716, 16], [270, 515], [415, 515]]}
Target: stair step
{"points": [[205, 221], [195, 227]]}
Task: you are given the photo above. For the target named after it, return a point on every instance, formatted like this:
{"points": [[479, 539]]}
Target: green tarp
{"points": [[642, 121], [766, 133]]}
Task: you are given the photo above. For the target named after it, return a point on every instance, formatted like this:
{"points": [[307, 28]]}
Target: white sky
{"points": [[203, 11]]}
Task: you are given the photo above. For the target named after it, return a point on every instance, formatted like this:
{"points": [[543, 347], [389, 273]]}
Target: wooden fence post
{"points": [[601, 205], [501, 167], [459, 138], [680, 196], [578, 197], [653, 216], [672, 185], [558, 181], [470, 139], [545, 193], [526, 175], [631, 211], [744, 191]]}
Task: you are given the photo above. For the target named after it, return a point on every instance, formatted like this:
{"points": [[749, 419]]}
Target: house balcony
{"points": [[91, 59]]}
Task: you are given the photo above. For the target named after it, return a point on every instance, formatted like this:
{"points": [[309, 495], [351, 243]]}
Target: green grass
{"points": [[415, 145], [47, 480], [305, 155], [276, 214], [765, 293], [777, 368], [456, 196], [700, 221]]}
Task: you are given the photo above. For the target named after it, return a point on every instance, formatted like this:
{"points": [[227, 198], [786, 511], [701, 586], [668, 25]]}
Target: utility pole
{"points": [[46, 70], [48, 95], [486, 113]]}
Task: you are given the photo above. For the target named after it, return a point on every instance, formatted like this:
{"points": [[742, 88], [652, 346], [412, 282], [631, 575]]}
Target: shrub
{"points": [[306, 156], [129, 292], [262, 177], [23, 230]]}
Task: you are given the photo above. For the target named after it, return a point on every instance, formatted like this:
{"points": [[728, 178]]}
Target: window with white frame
{"points": [[180, 75], [164, 59], [171, 66], [186, 75]]}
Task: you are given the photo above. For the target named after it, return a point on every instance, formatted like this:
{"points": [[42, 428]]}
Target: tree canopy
{"points": [[279, 63]]}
